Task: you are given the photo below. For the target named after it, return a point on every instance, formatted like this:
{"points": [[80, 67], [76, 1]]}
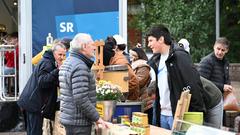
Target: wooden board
{"points": [[159, 131]]}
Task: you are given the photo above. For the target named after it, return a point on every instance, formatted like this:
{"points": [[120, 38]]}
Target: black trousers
{"points": [[34, 123]]}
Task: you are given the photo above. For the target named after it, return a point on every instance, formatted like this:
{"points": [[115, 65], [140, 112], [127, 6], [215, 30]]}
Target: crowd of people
{"points": [[157, 82]]}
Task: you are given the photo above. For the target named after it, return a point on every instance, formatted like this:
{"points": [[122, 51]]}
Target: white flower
{"points": [[104, 88]]}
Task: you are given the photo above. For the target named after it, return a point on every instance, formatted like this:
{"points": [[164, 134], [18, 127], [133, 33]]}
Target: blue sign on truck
{"points": [[65, 18], [98, 25]]}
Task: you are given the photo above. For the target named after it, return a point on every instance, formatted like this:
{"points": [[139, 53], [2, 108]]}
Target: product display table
{"points": [[114, 129], [159, 131], [117, 129]]}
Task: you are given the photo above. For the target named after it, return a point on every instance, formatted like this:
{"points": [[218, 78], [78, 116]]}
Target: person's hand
{"points": [[101, 122], [227, 87], [148, 103]]}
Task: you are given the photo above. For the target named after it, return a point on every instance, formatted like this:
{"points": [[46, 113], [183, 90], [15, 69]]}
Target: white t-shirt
{"points": [[164, 91]]}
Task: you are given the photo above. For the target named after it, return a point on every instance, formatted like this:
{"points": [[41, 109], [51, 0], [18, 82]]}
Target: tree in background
{"points": [[193, 20], [230, 27]]}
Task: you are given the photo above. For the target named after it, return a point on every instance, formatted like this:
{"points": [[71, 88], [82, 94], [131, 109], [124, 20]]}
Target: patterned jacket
{"points": [[133, 84], [78, 91], [142, 71]]}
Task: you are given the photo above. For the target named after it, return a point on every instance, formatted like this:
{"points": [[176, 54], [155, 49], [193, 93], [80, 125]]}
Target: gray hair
{"points": [[224, 41], [79, 40], [56, 46]]}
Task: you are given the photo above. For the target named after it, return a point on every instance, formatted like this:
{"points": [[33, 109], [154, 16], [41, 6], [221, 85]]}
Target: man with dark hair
{"points": [[173, 68], [66, 42], [215, 67]]}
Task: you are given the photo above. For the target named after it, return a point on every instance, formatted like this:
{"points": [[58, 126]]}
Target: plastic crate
{"points": [[127, 108]]}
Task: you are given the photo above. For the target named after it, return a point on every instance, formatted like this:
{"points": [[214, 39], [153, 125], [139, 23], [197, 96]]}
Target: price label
{"points": [[100, 109]]}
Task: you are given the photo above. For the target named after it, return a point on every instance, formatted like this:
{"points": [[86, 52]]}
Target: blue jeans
{"points": [[154, 119], [9, 70], [166, 121]]}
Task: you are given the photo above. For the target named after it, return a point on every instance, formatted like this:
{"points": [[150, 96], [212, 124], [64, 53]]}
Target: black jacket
{"points": [[40, 92], [215, 70], [180, 75]]}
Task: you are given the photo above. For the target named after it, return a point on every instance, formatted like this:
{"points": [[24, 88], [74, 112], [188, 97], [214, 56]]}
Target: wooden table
{"points": [[114, 128], [59, 129], [159, 131]]}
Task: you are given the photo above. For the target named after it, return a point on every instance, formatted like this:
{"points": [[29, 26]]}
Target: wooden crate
{"points": [[117, 77]]}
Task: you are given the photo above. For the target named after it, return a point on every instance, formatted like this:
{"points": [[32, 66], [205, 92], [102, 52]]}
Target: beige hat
{"points": [[119, 39]]}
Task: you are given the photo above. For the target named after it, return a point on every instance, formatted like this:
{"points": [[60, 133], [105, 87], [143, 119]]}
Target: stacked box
{"points": [[124, 119], [140, 123], [140, 129], [115, 129], [237, 124], [140, 118]]}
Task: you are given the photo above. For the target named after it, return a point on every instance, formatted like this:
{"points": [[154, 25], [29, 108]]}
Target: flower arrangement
{"points": [[108, 91]]}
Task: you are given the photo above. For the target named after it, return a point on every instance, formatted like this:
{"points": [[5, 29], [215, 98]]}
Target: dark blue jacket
{"points": [[40, 92]]}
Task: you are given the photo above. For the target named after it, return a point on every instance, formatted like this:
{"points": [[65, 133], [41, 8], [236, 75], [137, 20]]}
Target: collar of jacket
{"points": [[214, 56], [154, 60], [174, 47], [156, 56], [85, 59]]}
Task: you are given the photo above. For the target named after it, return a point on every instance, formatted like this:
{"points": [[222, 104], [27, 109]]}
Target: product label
{"points": [[100, 109]]}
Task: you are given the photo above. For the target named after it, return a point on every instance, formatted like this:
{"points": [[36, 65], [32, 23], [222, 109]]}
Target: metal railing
{"points": [[4, 95]]}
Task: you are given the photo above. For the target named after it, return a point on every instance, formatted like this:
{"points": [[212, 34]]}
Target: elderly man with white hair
{"points": [[78, 89]]}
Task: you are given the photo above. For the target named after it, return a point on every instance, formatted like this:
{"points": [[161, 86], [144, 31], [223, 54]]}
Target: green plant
{"points": [[193, 20], [108, 91]]}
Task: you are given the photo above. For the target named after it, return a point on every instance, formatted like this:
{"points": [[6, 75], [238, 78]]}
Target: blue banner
{"points": [[98, 25], [65, 18]]}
